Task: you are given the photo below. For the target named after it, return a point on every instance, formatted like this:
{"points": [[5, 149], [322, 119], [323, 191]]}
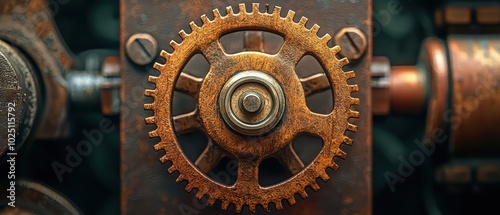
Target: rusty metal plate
{"points": [[147, 188]]}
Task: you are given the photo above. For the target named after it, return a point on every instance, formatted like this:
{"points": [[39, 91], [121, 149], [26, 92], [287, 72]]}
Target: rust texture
{"points": [[249, 152], [146, 188], [110, 86], [475, 63], [29, 26], [35, 198], [353, 42], [11, 89]]}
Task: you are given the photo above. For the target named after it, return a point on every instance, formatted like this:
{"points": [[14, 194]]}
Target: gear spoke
{"points": [[248, 173], [318, 124], [290, 159], [210, 157], [291, 52], [214, 53], [189, 84], [315, 83], [187, 122]]}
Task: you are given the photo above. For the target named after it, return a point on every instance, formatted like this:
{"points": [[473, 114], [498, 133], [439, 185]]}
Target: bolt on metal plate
{"points": [[141, 48]]}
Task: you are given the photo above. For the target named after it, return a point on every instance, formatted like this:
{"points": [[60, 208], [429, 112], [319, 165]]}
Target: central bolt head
{"points": [[251, 102]]}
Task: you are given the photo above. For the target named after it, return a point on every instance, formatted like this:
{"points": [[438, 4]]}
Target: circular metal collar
{"points": [[260, 85]]}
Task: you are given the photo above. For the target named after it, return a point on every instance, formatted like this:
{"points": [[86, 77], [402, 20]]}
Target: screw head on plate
{"points": [[352, 41], [141, 48]]}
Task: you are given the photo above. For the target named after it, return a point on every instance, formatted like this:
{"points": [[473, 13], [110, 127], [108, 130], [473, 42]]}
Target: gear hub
{"points": [[250, 94], [251, 102]]}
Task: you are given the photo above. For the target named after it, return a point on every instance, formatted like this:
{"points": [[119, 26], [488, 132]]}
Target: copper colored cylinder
{"points": [[408, 90], [475, 118]]}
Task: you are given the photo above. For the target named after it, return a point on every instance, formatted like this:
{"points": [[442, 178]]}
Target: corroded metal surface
{"points": [[475, 63], [249, 152], [353, 42], [145, 186], [35, 198], [29, 26], [12, 84], [110, 86]]}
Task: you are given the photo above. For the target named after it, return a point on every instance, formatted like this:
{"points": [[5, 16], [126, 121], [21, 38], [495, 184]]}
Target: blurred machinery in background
{"points": [[248, 105]]}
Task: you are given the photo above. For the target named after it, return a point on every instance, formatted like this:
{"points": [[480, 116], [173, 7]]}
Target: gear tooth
{"points": [[265, 207], [324, 176], [189, 187], [348, 141], [164, 54], [157, 66], [150, 120], [277, 11], [341, 154], [314, 186], [278, 205], [350, 74], [353, 114], [174, 44], [216, 13], [158, 147], [238, 207], [205, 19], [193, 26], [291, 200], [148, 106], [252, 208], [199, 194], [229, 10], [290, 15], [225, 205], [171, 169], [354, 101], [150, 93], [303, 21], [352, 127], [255, 7], [335, 166], [315, 29], [163, 159], [183, 34], [336, 49], [344, 61], [353, 88], [242, 7], [326, 38], [211, 201], [303, 194], [153, 79], [179, 178], [153, 133]]}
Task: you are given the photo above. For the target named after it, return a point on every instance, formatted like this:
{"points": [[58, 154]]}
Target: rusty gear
{"points": [[250, 151]]}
